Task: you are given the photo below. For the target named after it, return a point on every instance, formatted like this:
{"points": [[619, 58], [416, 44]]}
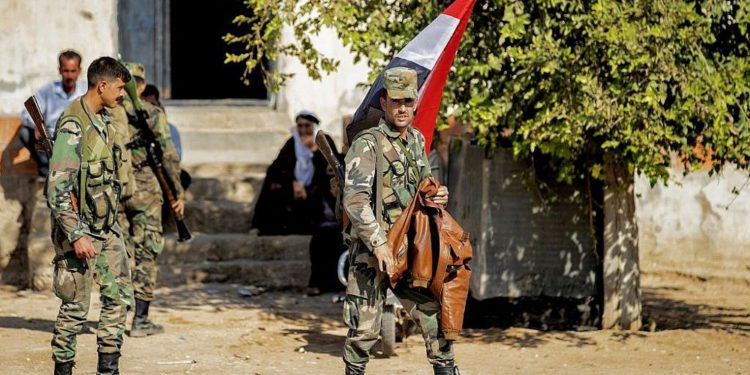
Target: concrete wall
{"points": [[695, 224], [333, 97], [34, 33], [523, 246]]}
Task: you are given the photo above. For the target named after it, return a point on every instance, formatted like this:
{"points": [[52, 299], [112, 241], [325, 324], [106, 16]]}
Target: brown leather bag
{"points": [[428, 243]]}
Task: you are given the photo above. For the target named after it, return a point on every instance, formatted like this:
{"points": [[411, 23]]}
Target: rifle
{"points": [[322, 141], [155, 159], [44, 143], [338, 169]]}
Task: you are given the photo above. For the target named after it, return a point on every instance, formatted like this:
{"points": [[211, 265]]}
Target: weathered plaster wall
{"points": [[695, 224], [334, 96], [33, 34]]}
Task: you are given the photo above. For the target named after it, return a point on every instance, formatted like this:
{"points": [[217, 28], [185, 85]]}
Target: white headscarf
{"points": [[304, 168]]}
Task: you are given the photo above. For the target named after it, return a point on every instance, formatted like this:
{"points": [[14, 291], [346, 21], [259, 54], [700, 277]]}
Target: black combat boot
{"points": [[108, 364], [352, 369], [64, 368], [450, 369], [141, 325]]}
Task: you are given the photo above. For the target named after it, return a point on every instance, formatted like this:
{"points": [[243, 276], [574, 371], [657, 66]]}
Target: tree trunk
{"points": [[622, 285]]}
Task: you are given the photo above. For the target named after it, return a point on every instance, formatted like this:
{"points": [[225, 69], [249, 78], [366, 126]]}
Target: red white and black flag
{"points": [[431, 54]]}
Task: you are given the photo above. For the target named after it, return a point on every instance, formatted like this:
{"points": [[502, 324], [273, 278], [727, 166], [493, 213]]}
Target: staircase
{"points": [[218, 211]]}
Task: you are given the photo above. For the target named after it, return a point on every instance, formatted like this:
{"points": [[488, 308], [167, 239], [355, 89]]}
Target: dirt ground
{"points": [[702, 326]]}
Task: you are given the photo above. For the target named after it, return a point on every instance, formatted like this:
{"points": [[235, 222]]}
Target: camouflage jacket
{"points": [[83, 163], [405, 164], [157, 120]]}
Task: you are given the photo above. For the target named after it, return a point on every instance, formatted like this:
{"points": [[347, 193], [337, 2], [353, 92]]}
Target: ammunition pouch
{"points": [[102, 194]]}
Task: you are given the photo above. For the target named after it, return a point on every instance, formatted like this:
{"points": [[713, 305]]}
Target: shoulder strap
{"points": [[379, 176], [83, 172]]}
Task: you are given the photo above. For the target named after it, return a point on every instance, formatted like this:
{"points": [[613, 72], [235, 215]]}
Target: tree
{"points": [[606, 89]]}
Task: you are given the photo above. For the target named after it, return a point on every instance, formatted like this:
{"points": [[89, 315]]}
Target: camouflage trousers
{"points": [[145, 233], [363, 309], [72, 283]]}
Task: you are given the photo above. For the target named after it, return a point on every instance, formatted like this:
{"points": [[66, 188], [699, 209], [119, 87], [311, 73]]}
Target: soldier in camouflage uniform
{"points": [[82, 193], [404, 165], [143, 210], [124, 173]]}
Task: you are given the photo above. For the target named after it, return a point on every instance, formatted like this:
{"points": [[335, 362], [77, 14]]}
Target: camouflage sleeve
{"points": [[360, 172], [424, 161], [171, 159], [62, 181]]}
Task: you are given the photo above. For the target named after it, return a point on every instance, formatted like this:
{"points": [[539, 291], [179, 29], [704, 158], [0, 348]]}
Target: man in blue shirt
{"points": [[53, 98]]}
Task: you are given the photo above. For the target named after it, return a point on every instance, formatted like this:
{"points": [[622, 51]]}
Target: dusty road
{"points": [[702, 327]]}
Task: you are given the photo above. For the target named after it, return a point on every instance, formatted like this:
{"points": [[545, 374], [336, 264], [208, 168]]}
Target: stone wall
{"points": [[17, 199]]}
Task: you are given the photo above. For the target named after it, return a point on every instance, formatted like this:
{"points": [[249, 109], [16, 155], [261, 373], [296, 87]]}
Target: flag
{"points": [[431, 54]]}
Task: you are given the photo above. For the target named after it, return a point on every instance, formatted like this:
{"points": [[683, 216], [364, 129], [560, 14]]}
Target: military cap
{"points": [[400, 83], [136, 69]]}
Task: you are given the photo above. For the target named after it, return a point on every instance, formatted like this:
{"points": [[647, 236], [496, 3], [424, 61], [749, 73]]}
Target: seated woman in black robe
{"points": [[291, 200]]}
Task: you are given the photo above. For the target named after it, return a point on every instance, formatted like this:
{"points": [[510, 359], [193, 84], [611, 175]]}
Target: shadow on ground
{"points": [[668, 313], [664, 308], [42, 325], [311, 317], [17, 322]]}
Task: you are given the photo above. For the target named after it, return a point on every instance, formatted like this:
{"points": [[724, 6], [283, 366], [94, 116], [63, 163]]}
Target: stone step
{"points": [[201, 216], [215, 217], [239, 188], [277, 274], [229, 134], [209, 169], [274, 261], [233, 246]]}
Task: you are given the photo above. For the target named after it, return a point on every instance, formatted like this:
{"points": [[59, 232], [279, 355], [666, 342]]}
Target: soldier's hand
{"points": [[442, 196], [384, 255], [83, 248], [179, 207]]}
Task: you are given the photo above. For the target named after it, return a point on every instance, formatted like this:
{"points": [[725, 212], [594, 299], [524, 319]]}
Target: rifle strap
{"points": [[379, 177]]}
